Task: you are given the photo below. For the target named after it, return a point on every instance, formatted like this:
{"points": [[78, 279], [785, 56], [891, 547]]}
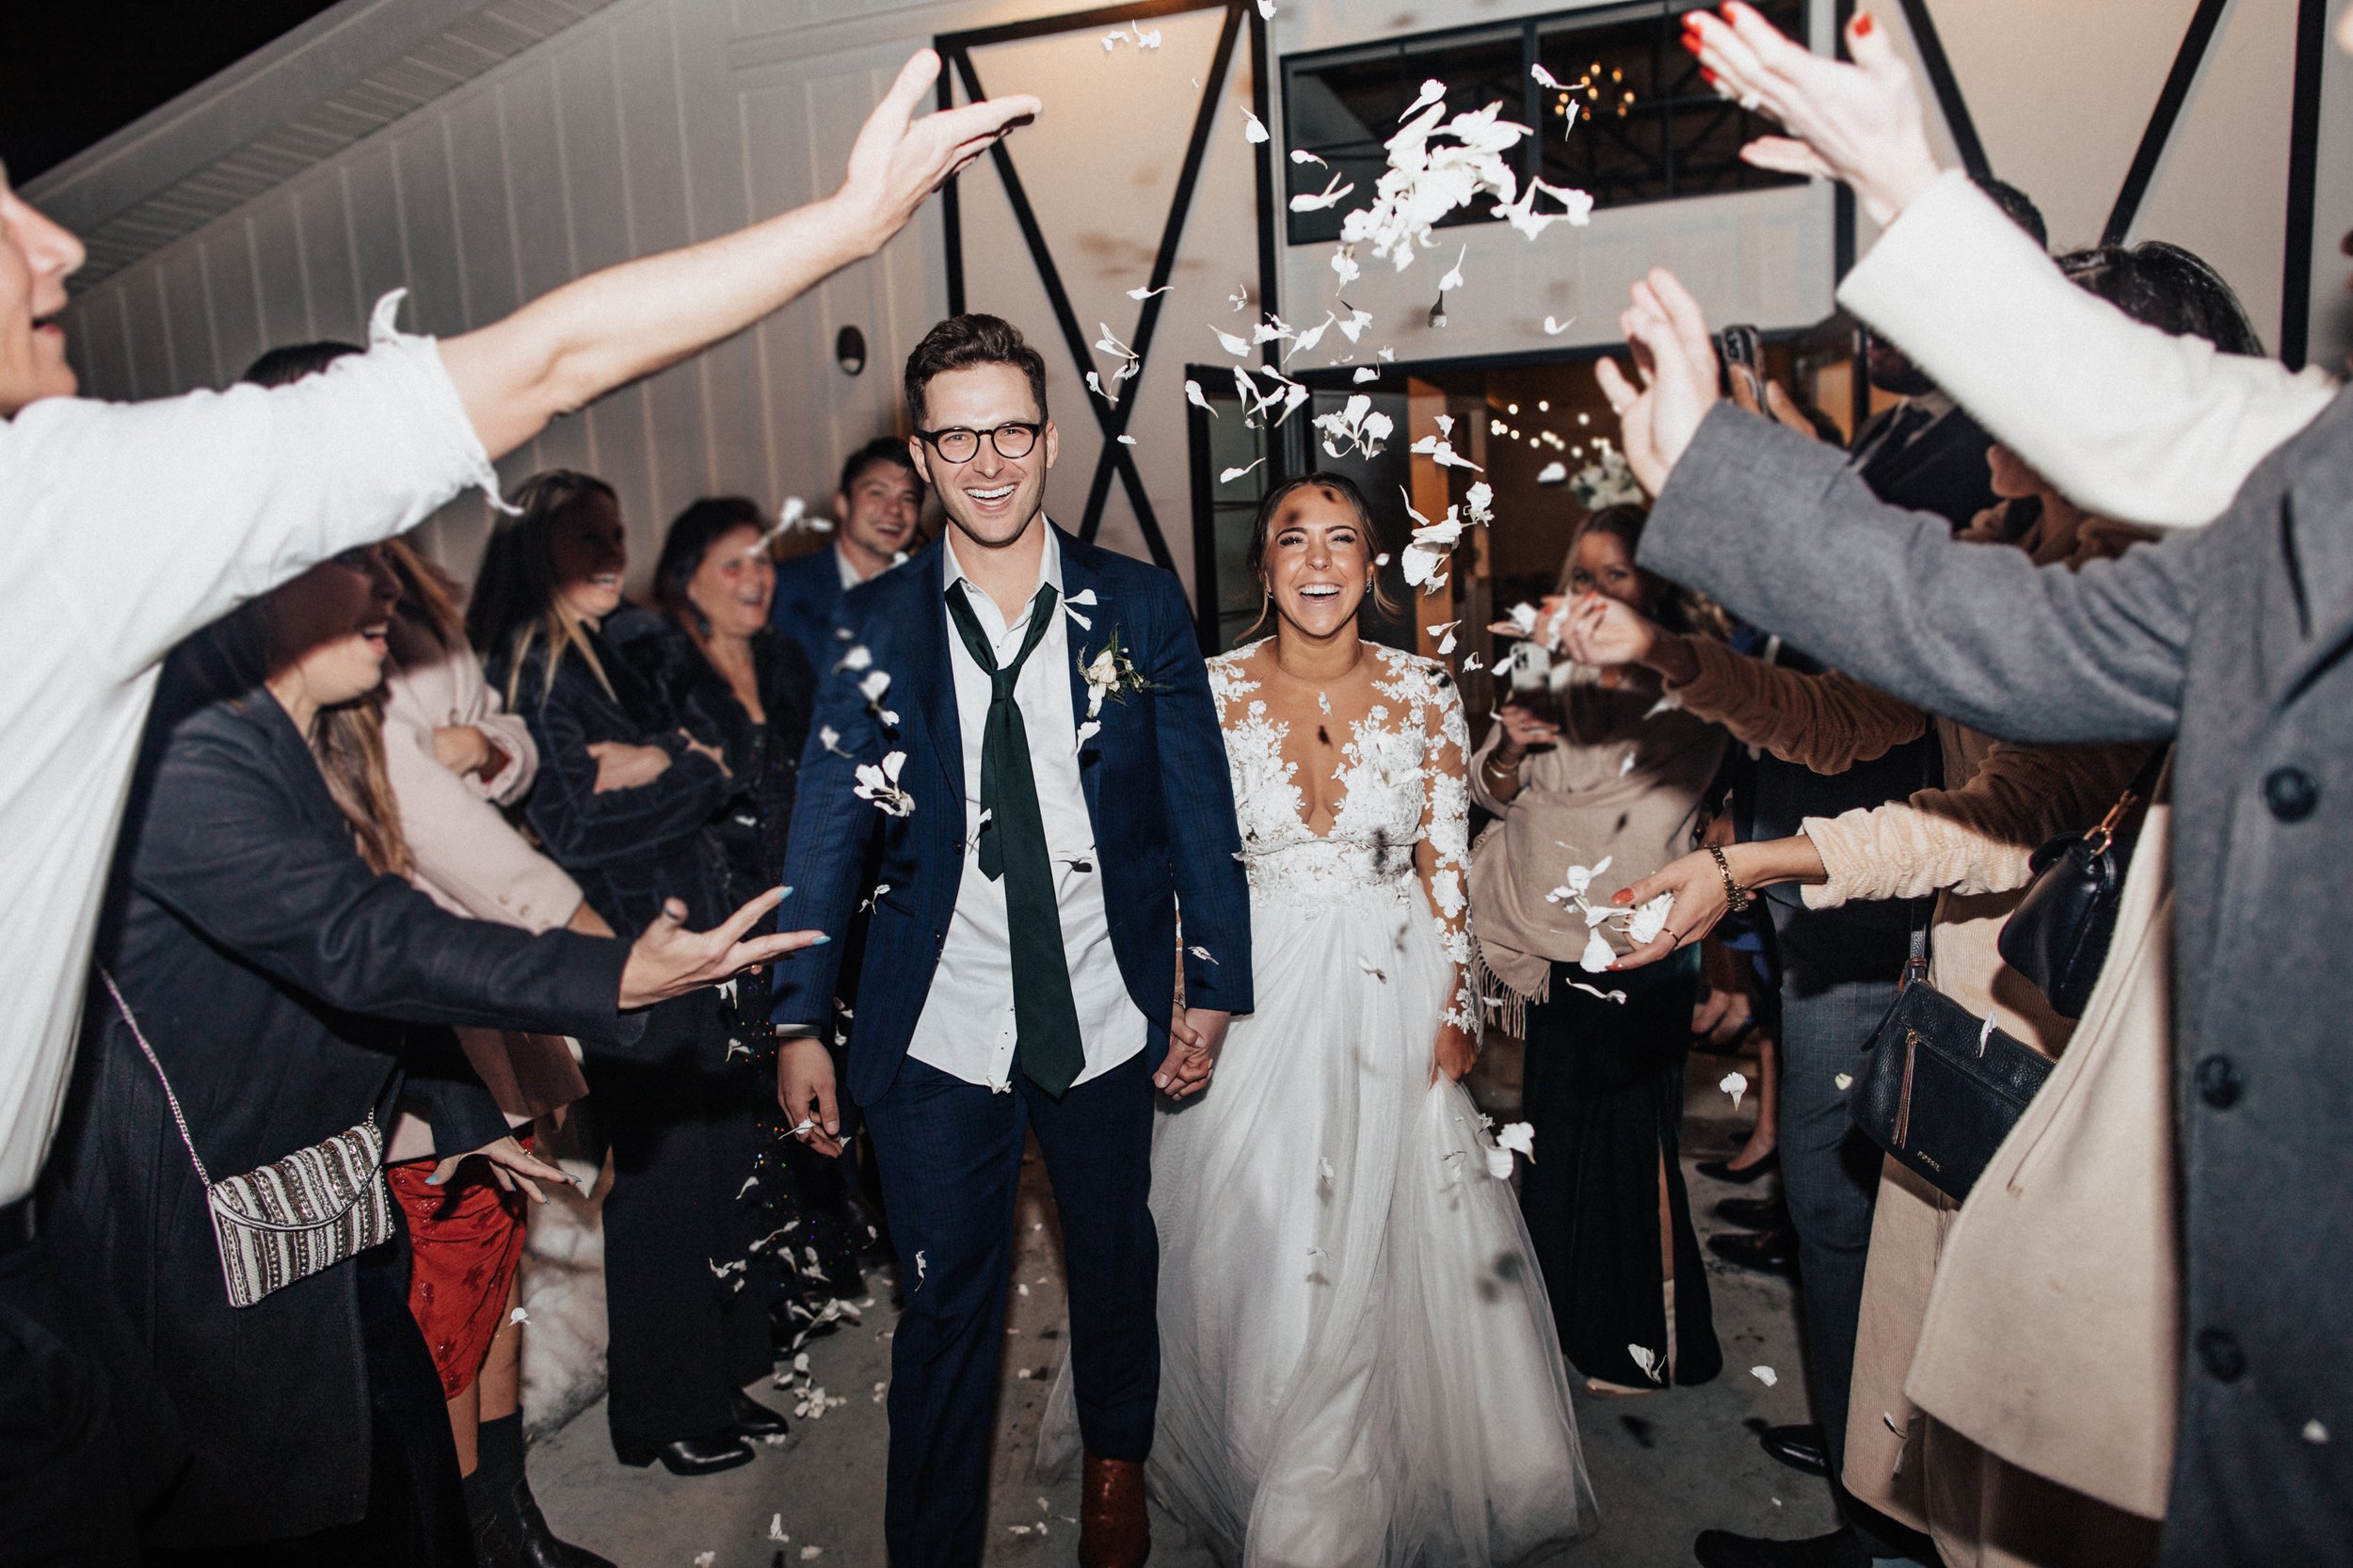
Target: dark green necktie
{"points": [[1013, 847]]}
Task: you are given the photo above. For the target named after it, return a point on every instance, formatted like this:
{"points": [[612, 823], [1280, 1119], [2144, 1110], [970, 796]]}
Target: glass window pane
{"points": [[1345, 108], [1646, 126]]}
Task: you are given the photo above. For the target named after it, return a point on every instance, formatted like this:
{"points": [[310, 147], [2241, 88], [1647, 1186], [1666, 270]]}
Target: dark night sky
{"points": [[74, 71]]}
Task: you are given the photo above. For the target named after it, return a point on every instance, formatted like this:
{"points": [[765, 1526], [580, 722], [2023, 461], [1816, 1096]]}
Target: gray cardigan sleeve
{"points": [[1780, 529]]}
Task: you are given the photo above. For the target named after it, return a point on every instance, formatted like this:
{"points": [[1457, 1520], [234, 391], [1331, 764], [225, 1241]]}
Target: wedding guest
{"points": [[451, 756], [213, 498], [2199, 638], [1599, 782], [2012, 799], [711, 652], [876, 510], [263, 971], [625, 798]]}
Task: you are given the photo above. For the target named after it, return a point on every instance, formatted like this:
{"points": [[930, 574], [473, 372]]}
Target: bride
{"points": [[1358, 1365]]}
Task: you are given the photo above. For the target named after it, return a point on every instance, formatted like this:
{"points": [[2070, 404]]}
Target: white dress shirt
{"points": [[124, 527], [844, 570], [967, 1026], [2130, 423]]}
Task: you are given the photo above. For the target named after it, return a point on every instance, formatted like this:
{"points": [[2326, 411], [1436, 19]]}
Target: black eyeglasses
{"points": [[959, 445]]}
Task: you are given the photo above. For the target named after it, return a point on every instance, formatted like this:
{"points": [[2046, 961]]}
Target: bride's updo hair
{"points": [[1338, 488]]}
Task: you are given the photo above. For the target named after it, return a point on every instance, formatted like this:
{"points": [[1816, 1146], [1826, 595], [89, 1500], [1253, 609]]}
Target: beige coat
{"points": [[468, 859]]}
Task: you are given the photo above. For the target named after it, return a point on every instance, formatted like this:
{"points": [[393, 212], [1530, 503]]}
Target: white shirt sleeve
{"points": [[144, 520], [2128, 422]]}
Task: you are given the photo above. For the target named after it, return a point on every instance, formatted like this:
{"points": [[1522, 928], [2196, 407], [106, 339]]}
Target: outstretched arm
{"points": [[2127, 420], [574, 344]]}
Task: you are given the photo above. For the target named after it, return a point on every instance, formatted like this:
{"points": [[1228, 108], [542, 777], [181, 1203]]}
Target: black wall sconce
{"points": [[849, 350]]}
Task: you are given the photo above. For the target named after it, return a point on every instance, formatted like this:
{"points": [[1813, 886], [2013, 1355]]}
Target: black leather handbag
{"points": [[1940, 1087], [2058, 935]]}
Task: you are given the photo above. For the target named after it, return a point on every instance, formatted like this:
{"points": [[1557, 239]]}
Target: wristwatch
{"points": [[1736, 898]]}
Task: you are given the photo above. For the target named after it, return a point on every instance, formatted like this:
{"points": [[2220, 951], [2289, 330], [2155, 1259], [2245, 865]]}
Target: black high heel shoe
{"points": [[1723, 1170]]}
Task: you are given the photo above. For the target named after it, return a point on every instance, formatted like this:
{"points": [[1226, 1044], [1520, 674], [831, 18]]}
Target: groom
{"points": [[1024, 724]]}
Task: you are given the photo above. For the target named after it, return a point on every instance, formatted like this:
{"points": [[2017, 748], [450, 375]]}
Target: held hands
{"points": [[668, 960], [1676, 359], [898, 160], [804, 1091], [511, 1166], [1860, 124], [1195, 1035]]}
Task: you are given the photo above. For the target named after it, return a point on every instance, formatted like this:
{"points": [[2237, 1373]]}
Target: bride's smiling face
{"points": [[1318, 561]]}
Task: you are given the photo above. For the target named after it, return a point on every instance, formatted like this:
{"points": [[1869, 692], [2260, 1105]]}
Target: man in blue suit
{"points": [[1024, 724], [875, 512]]}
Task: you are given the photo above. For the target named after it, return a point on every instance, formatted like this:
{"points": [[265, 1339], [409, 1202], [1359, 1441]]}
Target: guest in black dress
{"points": [[290, 985], [624, 802], [712, 655]]}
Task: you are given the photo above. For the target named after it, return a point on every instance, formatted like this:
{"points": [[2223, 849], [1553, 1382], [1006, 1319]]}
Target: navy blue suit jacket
{"points": [[808, 602], [1156, 786]]}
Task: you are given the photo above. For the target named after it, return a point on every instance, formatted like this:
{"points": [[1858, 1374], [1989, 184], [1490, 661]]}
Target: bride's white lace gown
{"points": [[1358, 1365]]}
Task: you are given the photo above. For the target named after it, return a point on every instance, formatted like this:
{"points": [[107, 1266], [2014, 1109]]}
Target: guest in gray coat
{"points": [[2231, 640]]}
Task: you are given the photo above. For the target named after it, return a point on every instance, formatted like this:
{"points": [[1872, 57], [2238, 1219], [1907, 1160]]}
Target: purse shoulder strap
{"points": [[116, 991]]}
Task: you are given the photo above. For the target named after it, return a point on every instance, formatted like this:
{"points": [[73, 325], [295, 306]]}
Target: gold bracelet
{"points": [[1736, 898], [1509, 770]]}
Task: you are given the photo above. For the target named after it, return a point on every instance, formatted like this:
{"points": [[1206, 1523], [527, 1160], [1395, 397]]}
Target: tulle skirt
{"points": [[1358, 1363]]}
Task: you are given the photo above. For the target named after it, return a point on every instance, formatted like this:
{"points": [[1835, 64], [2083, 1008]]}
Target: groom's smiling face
{"points": [[990, 497]]}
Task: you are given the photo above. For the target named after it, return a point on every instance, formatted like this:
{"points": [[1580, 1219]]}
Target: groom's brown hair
{"points": [[967, 339]]}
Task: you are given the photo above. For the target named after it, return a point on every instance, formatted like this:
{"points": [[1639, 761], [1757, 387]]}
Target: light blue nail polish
{"points": [[787, 893], [822, 940]]}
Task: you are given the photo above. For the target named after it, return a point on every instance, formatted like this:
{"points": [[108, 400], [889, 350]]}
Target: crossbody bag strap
{"points": [[115, 991]]}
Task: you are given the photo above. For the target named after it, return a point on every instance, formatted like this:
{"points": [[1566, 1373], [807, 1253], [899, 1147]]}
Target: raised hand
{"points": [[1676, 360], [668, 960], [898, 160], [1861, 124]]}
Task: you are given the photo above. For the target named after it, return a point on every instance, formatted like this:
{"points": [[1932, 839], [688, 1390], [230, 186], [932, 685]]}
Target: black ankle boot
{"points": [[498, 1540], [541, 1547]]}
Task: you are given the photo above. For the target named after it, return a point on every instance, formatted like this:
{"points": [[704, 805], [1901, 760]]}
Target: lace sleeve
{"points": [[1443, 854]]}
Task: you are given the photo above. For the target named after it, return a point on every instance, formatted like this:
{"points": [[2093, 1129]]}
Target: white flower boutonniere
{"points": [[1109, 673]]}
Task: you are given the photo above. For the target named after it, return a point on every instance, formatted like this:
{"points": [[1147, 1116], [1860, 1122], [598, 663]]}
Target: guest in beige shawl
{"points": [[1593, 771]]}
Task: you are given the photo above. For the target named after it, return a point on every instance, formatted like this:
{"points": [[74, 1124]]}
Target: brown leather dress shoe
{"points": [[1113, 1531]]}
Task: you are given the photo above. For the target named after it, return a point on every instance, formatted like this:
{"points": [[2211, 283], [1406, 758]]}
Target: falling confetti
{"points": [[1765, 1375], [776, 1529], [1519, 1137], [1198, 399], [1735, 1084], [1233, 474], [1647, 1359], [1554, 328], [518, 1315], [1255, 129], [880, 785], [1618, 997], [2314, 1431], [1843, 1081]]}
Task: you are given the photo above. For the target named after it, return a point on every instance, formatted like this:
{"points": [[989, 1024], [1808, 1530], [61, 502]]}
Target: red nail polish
{"points": [[1863, 24], [1707, 76]]}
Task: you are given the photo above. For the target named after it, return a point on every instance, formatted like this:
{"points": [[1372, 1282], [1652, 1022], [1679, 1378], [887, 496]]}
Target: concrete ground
{"points": [[1664, 1465]]}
